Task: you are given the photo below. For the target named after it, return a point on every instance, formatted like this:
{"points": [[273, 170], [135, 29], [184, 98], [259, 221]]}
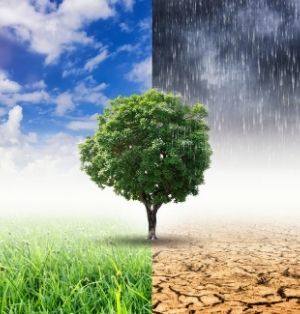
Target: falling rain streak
{"points": [[240, 58]]}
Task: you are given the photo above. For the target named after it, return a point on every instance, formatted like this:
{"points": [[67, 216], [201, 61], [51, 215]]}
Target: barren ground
{"points": [[227, 269]]}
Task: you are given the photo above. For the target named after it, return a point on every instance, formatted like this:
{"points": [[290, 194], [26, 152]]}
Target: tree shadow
{"points": [[127, 240], [170, 241], [166, 240], [163, 241]]}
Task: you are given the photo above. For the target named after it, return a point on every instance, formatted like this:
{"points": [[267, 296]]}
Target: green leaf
{"points": [[151, 144]]}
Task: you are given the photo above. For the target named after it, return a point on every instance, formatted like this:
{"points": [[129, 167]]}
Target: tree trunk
{"points": [[151, 214], [151, 224]]}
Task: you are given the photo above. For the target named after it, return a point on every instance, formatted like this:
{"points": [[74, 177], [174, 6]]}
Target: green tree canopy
{"points": [[151, 147]]}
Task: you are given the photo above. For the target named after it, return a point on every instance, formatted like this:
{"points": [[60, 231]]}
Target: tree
{"points": [[151, 147]]}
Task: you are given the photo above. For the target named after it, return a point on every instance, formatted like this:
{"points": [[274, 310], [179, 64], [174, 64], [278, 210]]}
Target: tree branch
{"points": [[146, 200], [156, 207]]}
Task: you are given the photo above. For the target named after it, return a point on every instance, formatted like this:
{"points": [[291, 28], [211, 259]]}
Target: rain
{"points": [[242, 60]]}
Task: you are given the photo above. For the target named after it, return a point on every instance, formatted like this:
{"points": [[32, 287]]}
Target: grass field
{"points": [[73, 267]]}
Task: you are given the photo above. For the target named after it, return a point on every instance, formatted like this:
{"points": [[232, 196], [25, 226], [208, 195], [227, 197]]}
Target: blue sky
{"points": [[60, 64], [61, 61]]}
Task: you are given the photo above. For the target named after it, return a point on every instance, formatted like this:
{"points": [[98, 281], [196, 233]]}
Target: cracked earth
{"points": [[227, 269]]}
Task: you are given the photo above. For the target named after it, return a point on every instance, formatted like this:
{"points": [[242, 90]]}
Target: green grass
{"points": [[73, 267]]}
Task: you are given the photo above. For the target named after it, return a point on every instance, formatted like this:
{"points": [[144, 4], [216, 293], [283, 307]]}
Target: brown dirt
{"points": [[227, 269]]}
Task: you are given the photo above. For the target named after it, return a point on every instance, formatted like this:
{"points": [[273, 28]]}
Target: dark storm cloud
{"points": [[241, 58]]}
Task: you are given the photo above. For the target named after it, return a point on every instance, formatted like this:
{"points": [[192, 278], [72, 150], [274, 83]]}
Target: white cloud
{"points": [[64, 103], [128, 4], [37, 85], [86, 92], [51, 30], [125, 27], [71, 71], [34, 97], [94, 62], [7, 85], [10, 133], [88, 123], [20, 153], [145, 25], [141, 72], [90, 93], [35, 174], [12, 93], [10, 130], [127, 48], [81, 125], [73, 68]]}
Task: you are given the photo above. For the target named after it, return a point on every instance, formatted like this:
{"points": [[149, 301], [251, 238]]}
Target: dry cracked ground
{"points": [[227, 269]]}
